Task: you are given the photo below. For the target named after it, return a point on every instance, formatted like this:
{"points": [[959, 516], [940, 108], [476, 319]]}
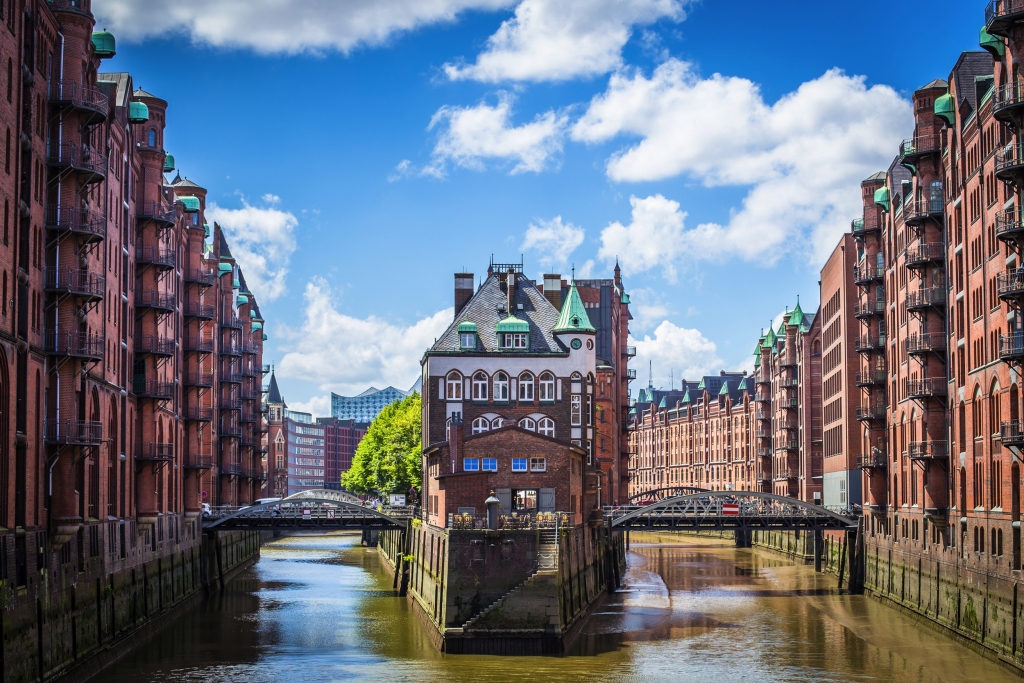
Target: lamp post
{"points": [[492, 511]]}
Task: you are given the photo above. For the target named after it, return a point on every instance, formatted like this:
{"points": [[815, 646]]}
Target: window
{"points": [[514, 341], [538, 465], [471, 464], [524, 499], [576, 410], [518, 464], [467, 340], [546, 387], [501, 387], [528, 423], [490, 465], [526, 387], [497, 422], [480, 425], [546, 426], [454, 391], [480, 386], [151, 138]]}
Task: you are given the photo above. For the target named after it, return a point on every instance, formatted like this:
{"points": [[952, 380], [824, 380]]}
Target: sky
{"points": [[359, 153]]}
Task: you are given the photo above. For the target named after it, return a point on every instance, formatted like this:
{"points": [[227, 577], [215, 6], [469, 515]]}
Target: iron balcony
{"points": [[1009, 226], [870, 378], [867, 273], [73, 344], [230, 377], [81, 283], [230, 403], [89, 101], [198, 414], [869, 343], [157, 212], [198, 344], [918, 211], [932, 387], [194, 309], [871, 412], [160, 257], [158, 301], [787, 360], [876, 460], [1011, 347], [913, 150], [629, 351], [926, 298], [931, 342], [199, 276], [788, 446], [1012, 433], [869, 223], [1000, 16], [249, 348], [630, 374], [90, 165], [73, 432], [1010, 285], [151, 344], [763, 434], [868, 309], [1010, 163], [248, 371], [928, 450], [159, 452], [199, 462], [921, 255], [1008, 102], [230, 468], [231, 322], [198, 379], [248, 416], [89, 225], [248, 394], [154, 389]]}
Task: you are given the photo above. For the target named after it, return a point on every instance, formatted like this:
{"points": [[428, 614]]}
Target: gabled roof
{"points": [[573, 317], [877, 176], [274, 394], [937, 83], [139, 92], [185, 182], [967, 69], [121, 80]]}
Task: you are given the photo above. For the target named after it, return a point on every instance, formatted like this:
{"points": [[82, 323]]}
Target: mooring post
{"points": [[819, 548], [743, 538]]}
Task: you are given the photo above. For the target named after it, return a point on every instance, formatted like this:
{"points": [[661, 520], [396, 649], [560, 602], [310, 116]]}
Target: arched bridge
{"points": [[311, 510], [727, 510], [655, 495]]}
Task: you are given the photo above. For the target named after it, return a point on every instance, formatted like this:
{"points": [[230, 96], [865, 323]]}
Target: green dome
{"points": [[994, 44], [264, 336], [191, 204], [257, 326], [168, 163], [138, 112], [224, 268], [467, 326], [513, 324], [103, 44], [945, 108], [882, 197], [243, 299], [236, 284]]}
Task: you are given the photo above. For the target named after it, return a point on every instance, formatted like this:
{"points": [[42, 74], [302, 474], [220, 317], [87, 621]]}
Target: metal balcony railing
{"points": [[198, 379], [230, 403], [230, 430], [863, 309], [194, 309], [156, 256], [1000, 15], [198, 344], [160, 301], [230, 377], [1011, 347], [151, 344], [870, 377], [928, 450], [74, 281], [154, 389], [202, 461], [73, 344], [932, 387], [920, 145], [1009, 161], [197, 414], [68, 93], [156, 211], [1010, 284], [90, 225], [631, 374], [1012, 433], [231, 322], [876, 460], [72, 432], [926, 297], [931, 342], [160, 452], [924, 254], [199, 276], [229, 468], [1009, 225], [630, 352], [87, 162], [866, 273], [871, 412], [869, 343]]}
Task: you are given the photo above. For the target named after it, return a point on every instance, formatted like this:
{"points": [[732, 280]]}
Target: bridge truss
{"points": [[314, 509], [663, 493]]}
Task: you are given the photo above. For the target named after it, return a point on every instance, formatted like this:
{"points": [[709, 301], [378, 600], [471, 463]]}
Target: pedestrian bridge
{"points": [[655, 495], [318, 509], [727, 510]]}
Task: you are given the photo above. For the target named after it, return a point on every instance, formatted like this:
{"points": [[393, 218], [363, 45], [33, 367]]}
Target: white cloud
{"points": [[281, 26], [655, 237], [674, 353], [262, 240], [346, 354], [647, 308], [557, 40], [802, 157], [553, 240], [471, 135], [271, 198], [317, 406]]}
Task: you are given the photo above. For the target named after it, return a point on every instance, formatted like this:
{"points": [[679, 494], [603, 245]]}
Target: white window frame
{"points": [[538, 464], [471, 464], [497, 423], [481, 425], [467, 340], [576, 410], [526, 387], [514, 340], [488, 464], [480, 382], [453, 386], [529, 424], [546, 426], [525, 464], [546, 387], [500, 387]]}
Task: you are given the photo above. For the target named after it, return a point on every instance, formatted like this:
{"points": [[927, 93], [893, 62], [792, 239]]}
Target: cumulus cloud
{"points": [[553, 240], [281, 26], [471, 135], [654, 238], [674, 353], [262, 239], [346, 354], [800, 156], [557, 40], [317, 406], [647, 307]]}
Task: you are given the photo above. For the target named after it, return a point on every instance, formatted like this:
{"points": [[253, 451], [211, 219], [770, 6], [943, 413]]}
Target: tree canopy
{"points": [[388, 458]]}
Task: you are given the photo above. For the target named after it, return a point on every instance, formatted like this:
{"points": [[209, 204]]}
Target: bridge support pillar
{"points": [[744, 538], [819, 548], [370, 537]]}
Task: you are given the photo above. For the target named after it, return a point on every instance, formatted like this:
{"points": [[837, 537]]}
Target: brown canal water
{"points": [[321, 609]]}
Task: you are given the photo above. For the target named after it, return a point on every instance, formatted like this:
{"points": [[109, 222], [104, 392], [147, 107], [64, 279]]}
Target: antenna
{"points": [[650, 374]]}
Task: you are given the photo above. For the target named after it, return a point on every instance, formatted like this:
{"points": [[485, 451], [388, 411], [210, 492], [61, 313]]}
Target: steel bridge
{"points": [[727, 510], [318, 509], [663, 493]]}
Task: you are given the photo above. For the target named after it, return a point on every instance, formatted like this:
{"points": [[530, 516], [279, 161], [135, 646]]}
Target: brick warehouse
{"points": [[130, 349]]}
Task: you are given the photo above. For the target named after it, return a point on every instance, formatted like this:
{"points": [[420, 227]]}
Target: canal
{"points": [[318, 608]]}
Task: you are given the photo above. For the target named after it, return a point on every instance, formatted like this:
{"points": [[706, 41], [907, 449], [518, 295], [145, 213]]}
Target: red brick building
{"points": [[341, 438]]}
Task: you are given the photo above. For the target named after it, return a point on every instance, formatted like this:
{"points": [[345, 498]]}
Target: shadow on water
{"points": [[321, 609]]}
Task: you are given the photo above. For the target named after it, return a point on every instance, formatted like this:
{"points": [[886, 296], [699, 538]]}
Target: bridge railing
{"points": [[523, 521]]}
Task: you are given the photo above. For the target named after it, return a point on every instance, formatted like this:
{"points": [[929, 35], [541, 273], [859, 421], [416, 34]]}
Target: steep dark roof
{"points": [[122, 81], [274, 394], [222, 243], [185, 182], [937, 83], [483, 309], [252, 297], [968, 68]]}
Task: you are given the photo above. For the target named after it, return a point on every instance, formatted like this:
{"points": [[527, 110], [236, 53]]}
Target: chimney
{"points": [[511, 289], [455, 441], [553, 289], [463, 291]]}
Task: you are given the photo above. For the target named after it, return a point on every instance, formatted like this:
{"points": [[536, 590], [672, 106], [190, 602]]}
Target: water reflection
{"points": [[320, 609]]}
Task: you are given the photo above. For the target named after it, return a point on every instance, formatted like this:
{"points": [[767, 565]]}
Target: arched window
{"points": [[480, 425], [546, 426], [526, 387], [479, 386], [497, 422], [995, 409], [151, 138], [546, 387], [454, 388], [528, 423], [501, 387], [976, 414]]}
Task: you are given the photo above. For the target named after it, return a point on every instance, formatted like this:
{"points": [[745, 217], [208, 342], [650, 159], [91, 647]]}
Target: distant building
{"points": [[367, 405], [341, 437]]}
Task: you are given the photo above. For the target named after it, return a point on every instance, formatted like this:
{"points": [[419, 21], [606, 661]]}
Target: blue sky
{"points": [[359, 153]]}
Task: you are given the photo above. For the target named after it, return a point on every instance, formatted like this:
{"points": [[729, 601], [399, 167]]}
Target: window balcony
{"points": [[914, 150], [199, 462], [156, 452], [763, 434], [920, 344], [629, 352], [1010, 163], [875, 461], [867, 274], [74, 344], [157, 301], [871, 412], [249, 348], [1010, 226], [230, 349], [869, 343], [248, 371], [1012, 434], [860, 227], [787, 360], [198, 345], [89, 165], [929, 253], [194, 309], [230, 403], [90, 102], [72, 432], [231, 468], [198, 379], [80, 283], [1000, 16], [159, 257], [931, 297], [869, 309], [630, 374], [762, 398], [932, 387], [197, 414], [248, 416], [156, 212], [231, 322], [870, 378], [153, 389], [788, 446], [89, 225], [928, 450], [230, 431], [1010, 285], [248, 394], [151, 344], [1011, 347], [229, 377], [199, 276]]}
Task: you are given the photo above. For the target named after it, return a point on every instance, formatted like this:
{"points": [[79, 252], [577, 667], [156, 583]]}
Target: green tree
{"points": [[388, 458]]}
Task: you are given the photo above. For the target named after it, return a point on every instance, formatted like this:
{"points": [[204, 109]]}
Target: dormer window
{"points": [[513, 334], [513, 341], [467, 336]]}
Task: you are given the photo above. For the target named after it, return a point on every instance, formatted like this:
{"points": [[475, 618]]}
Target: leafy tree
{"points": [[388, 458]]}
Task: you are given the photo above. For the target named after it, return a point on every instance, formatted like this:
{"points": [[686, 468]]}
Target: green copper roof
{"points": [[769, 339], [513, 324], [168, 163], [573, 317], [882, 196], [257, 326], [945, 109], [725, 389], [757, 361], [138, 112], [235, 284], [191, 204], [103, 44], [625, 298], [467, 326], [686, 396], [664, 402], [243, 299], [265, 336], [760, 343], [744, 384], [797, 317], [994, 44], [224, 268]]}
